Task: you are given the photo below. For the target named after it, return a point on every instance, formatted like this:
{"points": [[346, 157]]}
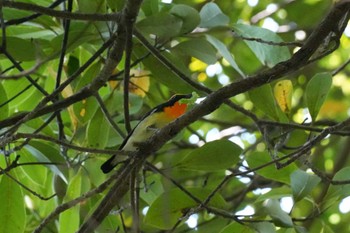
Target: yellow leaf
{"points": [[283, 92], [197, 65], [139, 83]]}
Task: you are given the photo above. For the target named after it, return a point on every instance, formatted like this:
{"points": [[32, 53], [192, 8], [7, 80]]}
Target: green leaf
{"points": [[316, 92], [98, 130], [4, 110], [198, 48], [150, 7], [79, 34], [317, 7], [237, 227], [87, 6], [320, 225], [20, 49], [302, 184], [38, 175], [163, 25], [29, 33], [154, 190], [89, 75], [275, 193], [267, 54], [213, 156], [73, 65], [280, 218], [170, 206], [189, 16], [46, 153], [212, 16], [264, 100], [12, 208], [117, 5], [69, 219], [222, 49], [257, 159], [338, 192], [301, 229], [32, 95], [263, 227]]}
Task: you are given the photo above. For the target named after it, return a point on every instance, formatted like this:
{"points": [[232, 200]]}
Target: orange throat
{"points": [[175, 111]]}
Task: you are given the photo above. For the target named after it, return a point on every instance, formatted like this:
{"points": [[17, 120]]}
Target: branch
{"points": [[31, 17], [59, 142], [60, 14]]}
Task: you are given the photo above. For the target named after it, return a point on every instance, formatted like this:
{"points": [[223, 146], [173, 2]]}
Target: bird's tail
{"points": [[109, 164]]}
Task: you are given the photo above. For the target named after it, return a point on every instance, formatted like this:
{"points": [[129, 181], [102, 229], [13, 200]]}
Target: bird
{"points": [[155, 119]]}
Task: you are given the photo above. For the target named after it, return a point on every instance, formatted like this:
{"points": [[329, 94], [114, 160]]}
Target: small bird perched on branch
{"points": [[155, 119]]}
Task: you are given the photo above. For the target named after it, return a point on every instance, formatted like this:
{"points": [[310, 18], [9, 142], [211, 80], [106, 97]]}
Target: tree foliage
{"points": [[264, 148]]}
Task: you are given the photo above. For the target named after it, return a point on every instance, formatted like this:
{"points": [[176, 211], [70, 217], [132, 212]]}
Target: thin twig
{"points": [[65, 144]]}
